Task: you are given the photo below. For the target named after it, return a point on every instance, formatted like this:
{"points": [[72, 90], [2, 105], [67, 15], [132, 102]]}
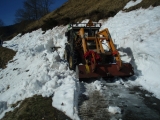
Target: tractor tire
{"points": [[77, 72], [66, 52], [65, 55], [72, 62], [70, 57]]}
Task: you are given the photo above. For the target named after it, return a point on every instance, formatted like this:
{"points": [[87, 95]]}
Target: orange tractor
{"points": [[86, 55]]}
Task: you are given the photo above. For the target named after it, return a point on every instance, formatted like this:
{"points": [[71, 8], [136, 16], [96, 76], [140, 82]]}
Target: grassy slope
{"points": [[5, 56], [73, 11], [11, 31], [36, 108]]}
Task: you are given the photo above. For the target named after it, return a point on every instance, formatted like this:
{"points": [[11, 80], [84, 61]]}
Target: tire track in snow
{"points": [[92, 103]]}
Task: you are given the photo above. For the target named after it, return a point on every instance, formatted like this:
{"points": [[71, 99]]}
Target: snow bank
{"points": [[3, 106], [137, 35], [132, 3], [38, 68]]}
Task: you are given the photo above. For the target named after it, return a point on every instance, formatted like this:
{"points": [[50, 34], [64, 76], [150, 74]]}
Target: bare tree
{"points": [[31, 6], [33, 10], [45, 4], [1, 23], [20, 15]]}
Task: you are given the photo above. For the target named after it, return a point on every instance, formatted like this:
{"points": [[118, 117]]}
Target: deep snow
{"points": [[38, 68], [137, 33]]}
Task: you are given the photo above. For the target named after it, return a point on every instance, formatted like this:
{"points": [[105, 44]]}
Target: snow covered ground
{"points": [[38, 68], [138, 34], [132, 3]]}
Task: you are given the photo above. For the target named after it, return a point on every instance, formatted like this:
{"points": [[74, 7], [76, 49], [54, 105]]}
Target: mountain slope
{"points": [[73, 11]]}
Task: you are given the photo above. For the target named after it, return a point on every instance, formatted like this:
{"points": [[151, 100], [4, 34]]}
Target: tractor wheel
{"points": [[70, 57], [65, 55], [66, 52], [71, 63], [77, 72]]}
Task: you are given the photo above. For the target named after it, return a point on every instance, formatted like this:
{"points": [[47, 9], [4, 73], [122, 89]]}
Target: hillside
{"points": [[8, 32], [74, 11]]}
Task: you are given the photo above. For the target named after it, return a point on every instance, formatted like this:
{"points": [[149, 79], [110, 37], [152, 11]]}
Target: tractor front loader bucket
{"points": [[105, 71]]}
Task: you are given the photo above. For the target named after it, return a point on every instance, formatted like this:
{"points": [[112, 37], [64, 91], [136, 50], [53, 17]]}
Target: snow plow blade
{"points": [[105, 71]]}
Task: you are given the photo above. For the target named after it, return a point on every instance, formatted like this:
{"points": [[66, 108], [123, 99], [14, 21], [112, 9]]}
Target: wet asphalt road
{"points": [[134, 102]]}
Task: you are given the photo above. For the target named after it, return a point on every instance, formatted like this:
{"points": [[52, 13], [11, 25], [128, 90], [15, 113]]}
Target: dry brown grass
{"points": [[5, 55], [73, 11], [78, 10], [8, 32], [35, 108]]}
